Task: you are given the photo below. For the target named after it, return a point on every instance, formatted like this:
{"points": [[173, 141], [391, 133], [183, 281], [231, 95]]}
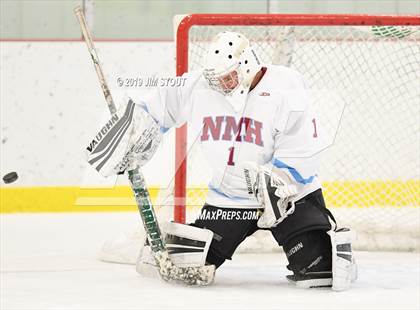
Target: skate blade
{"points": [[310, 283]]}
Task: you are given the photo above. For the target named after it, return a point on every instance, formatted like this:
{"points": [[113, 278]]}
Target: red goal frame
{"points": [[182, 37]]}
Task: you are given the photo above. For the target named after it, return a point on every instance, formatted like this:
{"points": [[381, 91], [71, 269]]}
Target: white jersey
{"points": [[276, 126]]}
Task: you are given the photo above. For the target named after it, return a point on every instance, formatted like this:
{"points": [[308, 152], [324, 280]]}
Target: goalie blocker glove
{"points": [[273, 191], [130, 137]]}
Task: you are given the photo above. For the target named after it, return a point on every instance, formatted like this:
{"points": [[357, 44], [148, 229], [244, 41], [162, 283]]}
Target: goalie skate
{"points": [[312, 279]]}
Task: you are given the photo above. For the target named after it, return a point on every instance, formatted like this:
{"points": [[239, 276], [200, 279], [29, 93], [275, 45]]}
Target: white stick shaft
{"points": [[89, 42]]}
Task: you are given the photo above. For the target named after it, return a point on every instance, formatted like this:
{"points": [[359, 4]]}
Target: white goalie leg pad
{"points": [[146, 264], [344, 269], [187, 247], [124, 249]]}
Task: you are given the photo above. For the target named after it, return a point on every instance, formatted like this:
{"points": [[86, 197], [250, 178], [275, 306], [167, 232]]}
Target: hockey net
{"points": [[364, 75]]}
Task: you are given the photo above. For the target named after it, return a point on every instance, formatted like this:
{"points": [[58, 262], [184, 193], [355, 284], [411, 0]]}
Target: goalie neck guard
{"points": [[230, 67]]}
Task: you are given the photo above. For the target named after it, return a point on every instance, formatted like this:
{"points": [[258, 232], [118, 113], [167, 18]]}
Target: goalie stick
{"points": [[203, 275]]}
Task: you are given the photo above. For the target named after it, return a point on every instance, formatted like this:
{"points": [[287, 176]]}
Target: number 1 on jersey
{"points": [[230, 160]]}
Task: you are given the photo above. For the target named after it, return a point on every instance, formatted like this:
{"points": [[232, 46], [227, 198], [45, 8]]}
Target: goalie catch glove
{"points": [[130, 137], [273, 190]]}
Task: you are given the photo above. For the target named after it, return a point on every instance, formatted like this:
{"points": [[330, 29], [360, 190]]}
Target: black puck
{"points": [[10, 177]]}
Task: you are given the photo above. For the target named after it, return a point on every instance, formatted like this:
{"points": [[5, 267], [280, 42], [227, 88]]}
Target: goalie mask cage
{"points": [[363, 73]]}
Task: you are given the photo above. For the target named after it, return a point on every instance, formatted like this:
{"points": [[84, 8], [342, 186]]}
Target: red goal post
{"points": [[250, 20]]}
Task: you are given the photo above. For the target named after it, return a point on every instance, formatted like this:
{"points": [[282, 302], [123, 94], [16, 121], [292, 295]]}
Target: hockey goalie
{"points": [[257, 128]]}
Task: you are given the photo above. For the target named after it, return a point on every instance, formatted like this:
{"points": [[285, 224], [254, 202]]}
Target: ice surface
{"points": [[48, 261]]}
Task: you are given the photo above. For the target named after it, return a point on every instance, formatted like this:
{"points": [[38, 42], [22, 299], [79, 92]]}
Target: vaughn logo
{"points": [[102, 132], [248, 181], [293, 250]]}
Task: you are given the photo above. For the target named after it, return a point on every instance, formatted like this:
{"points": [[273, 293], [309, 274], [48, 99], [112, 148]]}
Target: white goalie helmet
{"points": [[231, 65]]}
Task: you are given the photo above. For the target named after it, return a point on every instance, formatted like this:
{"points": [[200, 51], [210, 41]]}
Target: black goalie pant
{"points": [[231, 227]]}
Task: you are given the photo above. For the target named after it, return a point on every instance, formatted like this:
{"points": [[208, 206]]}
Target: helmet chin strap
{"points": [[249, 67]]}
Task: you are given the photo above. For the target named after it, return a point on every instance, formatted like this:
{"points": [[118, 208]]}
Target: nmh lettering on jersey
{"points": [[227, 128]]}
